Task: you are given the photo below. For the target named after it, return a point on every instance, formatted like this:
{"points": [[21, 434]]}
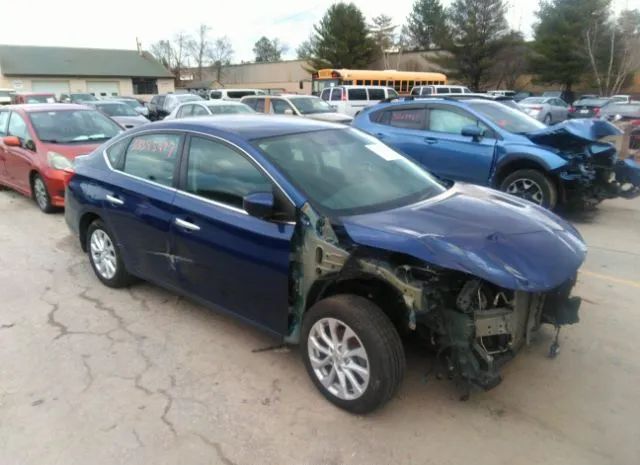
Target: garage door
{"points": [[54, 87], [103, 88]]}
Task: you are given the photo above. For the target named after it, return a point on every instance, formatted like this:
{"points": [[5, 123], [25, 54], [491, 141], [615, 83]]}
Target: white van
{"points": [[233, 94], [350, 100], [418, 91]]}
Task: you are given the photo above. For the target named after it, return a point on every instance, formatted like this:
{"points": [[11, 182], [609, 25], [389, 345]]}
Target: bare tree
{"points": [[172, 53], [200, 48], [383, 33], [220, 54]]}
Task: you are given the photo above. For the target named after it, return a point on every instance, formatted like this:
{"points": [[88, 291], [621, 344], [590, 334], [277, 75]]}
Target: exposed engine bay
{"points": [[474, 326]]}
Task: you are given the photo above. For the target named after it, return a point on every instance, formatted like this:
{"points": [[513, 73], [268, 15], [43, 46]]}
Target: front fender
{"points": [[547, 160]]}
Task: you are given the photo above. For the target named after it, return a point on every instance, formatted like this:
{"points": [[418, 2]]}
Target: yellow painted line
{"points": [[613, 279]]}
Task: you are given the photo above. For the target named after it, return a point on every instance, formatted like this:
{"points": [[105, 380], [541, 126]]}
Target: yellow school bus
{"points": [[401, 81]]}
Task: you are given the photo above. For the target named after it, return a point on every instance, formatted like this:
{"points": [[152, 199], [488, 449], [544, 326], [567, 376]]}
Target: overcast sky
{"points": [[117, 23]]}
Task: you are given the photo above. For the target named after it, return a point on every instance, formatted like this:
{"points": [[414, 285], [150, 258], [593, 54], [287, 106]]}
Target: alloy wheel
{"points": [[103, 254], [41, 195], [527, 189], [338, 358]]}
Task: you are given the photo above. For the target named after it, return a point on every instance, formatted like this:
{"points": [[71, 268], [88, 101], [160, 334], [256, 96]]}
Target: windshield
{"points": [[507, 118], [345, 172], [310, 105], [188, 98], [116, 109], [132, 103], [73, 126], [83, 98], [229, 109]]}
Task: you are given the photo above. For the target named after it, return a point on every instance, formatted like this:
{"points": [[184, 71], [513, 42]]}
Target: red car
{"points": [[38, 143]]}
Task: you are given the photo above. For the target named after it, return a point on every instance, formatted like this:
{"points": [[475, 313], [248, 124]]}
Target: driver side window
{"points": [[185, 111], [452, 122], [280, 106], [4, 118], [18, 127]]}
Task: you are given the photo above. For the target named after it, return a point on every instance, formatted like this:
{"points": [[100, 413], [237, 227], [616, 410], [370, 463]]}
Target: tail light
{"points": [[572, 109], [535, 108], [344, 96], [635, 122], [596, 111]]}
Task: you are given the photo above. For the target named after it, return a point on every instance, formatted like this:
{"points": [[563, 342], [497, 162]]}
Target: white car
{"points": [[419, 91], [233, 94], [549, 110], [350, 100], [5, 96], [306, 106], [208, 108], [502, 93]]}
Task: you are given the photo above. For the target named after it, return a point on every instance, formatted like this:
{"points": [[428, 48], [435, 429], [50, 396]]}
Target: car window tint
{"points": [[442, 90], [153, 157], [376, 94], [357, 94], [336, 94], [260, 105], [451, 122], [251, 102], [4, 118], [199, 110], [325, 94], [280, 106], [217, 172], [18, 127], [215, 95], [184, 111], [116, 152], [392, 93], [408, 118]]}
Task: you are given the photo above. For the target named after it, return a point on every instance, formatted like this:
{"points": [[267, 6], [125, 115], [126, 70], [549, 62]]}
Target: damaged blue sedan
{"points": [[323, 236], [475, 140]]}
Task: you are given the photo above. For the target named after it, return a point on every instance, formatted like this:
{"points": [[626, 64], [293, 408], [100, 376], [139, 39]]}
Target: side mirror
{"points": [[259, 204], [288, 111], [472, 131], [11, 141]]}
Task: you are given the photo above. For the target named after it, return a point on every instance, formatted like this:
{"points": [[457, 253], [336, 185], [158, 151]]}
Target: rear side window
{"points": [[415, 91], [408, 118], [199, 110], [442, 90], [280, 106], [184, 111], [376, 94], [116, 152], [336, 94], [219, 173], [260, 105], [392, 93], [160, 101], [325, 94], [153, 157], [251, 102], [426, 91], [215, 95], [239, 93], [4, 118], [357, 94]]}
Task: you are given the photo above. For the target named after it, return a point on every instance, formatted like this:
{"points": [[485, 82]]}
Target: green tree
{"points": [[476, 34], [560, 36], [268, 50], [341, 40], [426, 26]]}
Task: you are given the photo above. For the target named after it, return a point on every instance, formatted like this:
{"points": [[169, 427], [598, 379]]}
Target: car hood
{"points": [[507, 241], [573, 133], [330, 117], [130, 121], [71, 151]]}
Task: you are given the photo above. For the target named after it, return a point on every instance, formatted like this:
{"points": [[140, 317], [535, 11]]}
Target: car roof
{"points": [[34, 107], [247, 127], [357, 87]]}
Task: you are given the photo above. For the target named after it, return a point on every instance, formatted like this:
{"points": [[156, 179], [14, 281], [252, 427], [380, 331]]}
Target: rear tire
{"points": [[105, 258], [352, 352], [41, 194], [531, 185], [547, 119]]}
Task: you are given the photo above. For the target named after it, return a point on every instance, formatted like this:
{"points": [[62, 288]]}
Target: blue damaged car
{"points": [[321, 235], [479, 141]]}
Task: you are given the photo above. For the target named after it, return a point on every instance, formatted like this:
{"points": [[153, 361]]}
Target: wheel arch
{"points": [[83, 226], [508, 166]]}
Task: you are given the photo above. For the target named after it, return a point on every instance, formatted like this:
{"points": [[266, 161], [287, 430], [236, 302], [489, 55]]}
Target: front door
{"points": [[224, 256], [449, 154], [138, 198], [4, 120], [19, 160]]}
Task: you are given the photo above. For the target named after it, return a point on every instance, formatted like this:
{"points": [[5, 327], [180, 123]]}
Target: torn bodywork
{"points": [[593, 171], [474, 324]]}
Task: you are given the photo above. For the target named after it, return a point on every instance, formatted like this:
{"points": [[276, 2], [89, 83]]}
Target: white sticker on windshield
{"points": [[383, 151]]}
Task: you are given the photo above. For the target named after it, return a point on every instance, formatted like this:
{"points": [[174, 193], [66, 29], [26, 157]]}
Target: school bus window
{"points": [[410, 85], [396, 85], [367, 82], [375, 82], [404, 86], [359, 82]]}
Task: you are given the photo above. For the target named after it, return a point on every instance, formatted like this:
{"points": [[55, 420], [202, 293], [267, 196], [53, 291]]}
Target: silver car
{"points": [[209, 107], [120, 112], [549, 110], [306, 106]]}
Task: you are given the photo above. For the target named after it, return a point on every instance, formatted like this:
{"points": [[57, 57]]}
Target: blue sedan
{"points": [[323, 236], [479, 141]]}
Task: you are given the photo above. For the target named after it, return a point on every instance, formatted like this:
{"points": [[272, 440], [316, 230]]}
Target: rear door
{"points": [[358, 99], [223, 255], [404, 129], [449, 154], [138, 202]]}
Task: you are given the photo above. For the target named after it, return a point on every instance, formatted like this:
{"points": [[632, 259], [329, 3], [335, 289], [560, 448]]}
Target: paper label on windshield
{"points": [[384, 152]]}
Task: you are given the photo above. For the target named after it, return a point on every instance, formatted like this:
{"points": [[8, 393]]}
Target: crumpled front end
{"points": [[593, 171]]}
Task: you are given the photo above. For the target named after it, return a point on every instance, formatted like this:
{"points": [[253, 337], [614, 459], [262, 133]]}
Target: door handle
{"points": [[430, 140], [115, 200], [187, 225]]}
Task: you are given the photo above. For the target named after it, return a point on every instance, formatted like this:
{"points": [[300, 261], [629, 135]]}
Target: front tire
{"points": [[352, 352], [41, 194], [105, 257], [531, 185]]}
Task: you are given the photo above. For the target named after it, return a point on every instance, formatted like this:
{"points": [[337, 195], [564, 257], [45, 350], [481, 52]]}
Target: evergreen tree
{"points": [[426, 26]]}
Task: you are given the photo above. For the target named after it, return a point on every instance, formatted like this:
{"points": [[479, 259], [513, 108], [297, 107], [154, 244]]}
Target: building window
{"points": [[144, 86]]}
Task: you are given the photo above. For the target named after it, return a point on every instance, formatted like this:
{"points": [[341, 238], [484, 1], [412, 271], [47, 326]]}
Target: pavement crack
{"points": [[137, 436], [51, 321], [167, 408], [7, 326], [217, 447], [89, 371]]}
